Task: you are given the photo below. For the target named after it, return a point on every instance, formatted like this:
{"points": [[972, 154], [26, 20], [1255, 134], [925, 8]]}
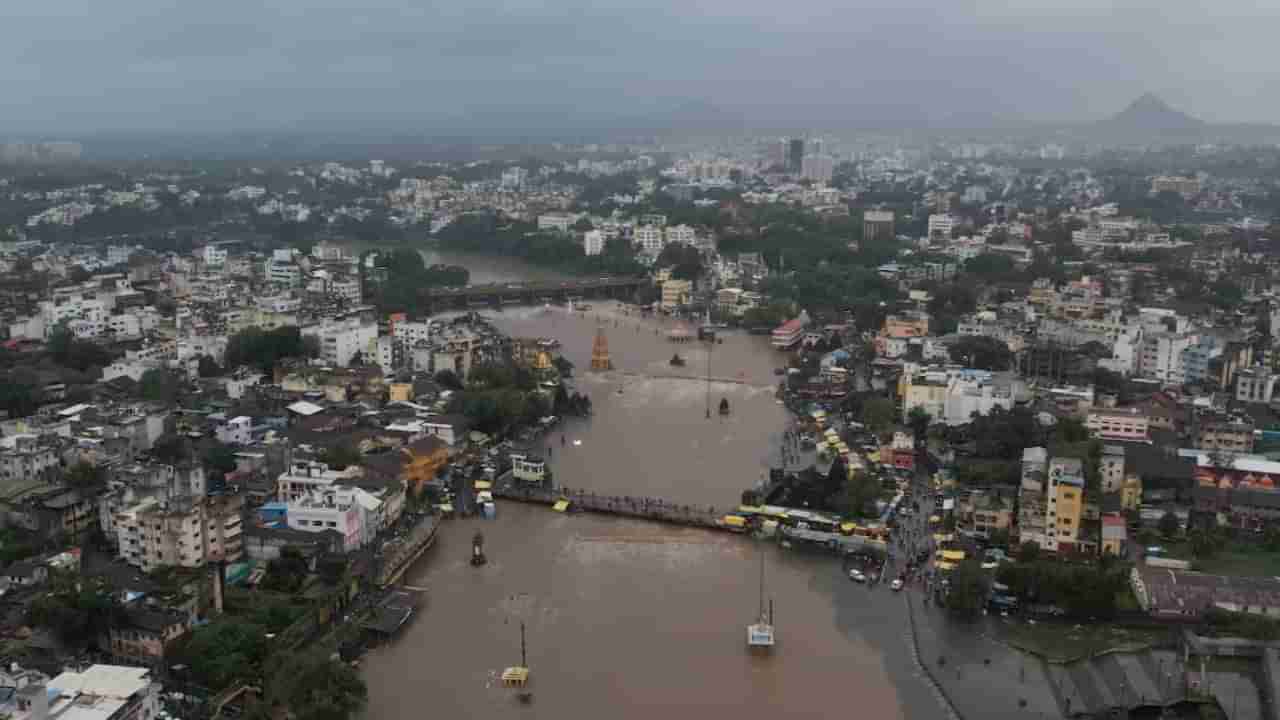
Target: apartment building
{"points": [[341, 339], [1065, 503], [1256, 385], [180, 532], [1161, 354], [26, 459], [675, 293], [593, 242], [940, 226], [1032, 509], [877, 225], [1125, 424], [1223, 435], [650, 239]]}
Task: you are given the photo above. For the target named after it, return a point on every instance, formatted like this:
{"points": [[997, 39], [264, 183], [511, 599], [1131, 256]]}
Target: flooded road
{"points": [[630, 619]]}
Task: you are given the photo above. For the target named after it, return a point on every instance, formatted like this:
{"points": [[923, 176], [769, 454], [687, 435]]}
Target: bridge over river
{"points": [[530, 293]]}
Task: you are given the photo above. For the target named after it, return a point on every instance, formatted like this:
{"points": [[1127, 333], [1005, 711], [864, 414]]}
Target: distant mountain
{"points": [[1151, 114]]}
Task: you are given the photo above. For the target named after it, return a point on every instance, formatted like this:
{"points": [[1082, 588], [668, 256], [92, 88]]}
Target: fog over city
{"points": [[81, 65]]}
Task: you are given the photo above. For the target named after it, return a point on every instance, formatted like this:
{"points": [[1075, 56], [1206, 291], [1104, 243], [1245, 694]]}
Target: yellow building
{"points": [[400, 392], [675, 293], [1066, 501]]}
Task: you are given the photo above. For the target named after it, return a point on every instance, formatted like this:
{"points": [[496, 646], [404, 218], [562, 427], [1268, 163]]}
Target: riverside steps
{"points": [[400, 554]]}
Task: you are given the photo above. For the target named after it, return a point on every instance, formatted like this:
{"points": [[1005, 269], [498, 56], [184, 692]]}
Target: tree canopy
{"points": [[266, 348]]}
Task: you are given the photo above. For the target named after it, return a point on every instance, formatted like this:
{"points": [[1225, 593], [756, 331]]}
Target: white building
{"points": [[558, 222], [940, 226], [593, 242], [1161, 357], [650, 238], [214, 255], [236, 431], [340, 340], [100, 692], [682, 234]]}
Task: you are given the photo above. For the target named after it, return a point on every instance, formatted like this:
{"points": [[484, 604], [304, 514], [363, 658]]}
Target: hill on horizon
{"points": [[1149, 113]]}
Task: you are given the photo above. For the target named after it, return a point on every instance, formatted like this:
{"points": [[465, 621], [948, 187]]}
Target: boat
{"points": [[477, 550], [517, 677], [677, 361], [724, 406], [760, 633]]}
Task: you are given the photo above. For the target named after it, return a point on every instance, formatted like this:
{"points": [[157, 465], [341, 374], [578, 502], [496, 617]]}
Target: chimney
{"points": [[219, 581]]}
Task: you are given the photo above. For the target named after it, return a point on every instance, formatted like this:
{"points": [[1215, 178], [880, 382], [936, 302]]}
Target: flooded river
{"points": [[629, 619]]}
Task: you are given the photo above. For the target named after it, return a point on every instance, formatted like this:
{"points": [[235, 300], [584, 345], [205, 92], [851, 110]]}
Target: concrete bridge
{"points": [[531, 293]]}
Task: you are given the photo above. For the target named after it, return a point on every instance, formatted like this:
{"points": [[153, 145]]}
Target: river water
{"points": [[624, 618]]}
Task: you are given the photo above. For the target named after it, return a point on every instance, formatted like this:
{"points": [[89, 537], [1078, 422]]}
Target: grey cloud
{"points": [[78, 65]]}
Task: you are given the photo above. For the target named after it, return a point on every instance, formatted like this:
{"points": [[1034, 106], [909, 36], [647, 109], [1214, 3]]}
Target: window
{"points": [[333, 524]]}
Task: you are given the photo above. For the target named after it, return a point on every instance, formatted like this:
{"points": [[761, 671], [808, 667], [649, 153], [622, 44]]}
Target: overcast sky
{"points": [[81, 65]]}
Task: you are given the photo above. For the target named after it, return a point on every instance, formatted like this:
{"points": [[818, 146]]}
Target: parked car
{"points": [[857, 576], [896, 584]]}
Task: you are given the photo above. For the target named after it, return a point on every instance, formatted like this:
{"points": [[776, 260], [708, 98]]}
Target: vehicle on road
{"points": [[896, 584], [857, 576]]}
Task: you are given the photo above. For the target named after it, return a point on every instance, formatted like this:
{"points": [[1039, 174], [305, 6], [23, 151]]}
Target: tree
{"points": [[208, 367], [968, 589], [563, 366], [286, 573], [314, 687], [20, 393], [448, 380], [171, 449], [982, 353], [878, 414], [266, 348], [225, 650], [1028, 552], [918, 420], [1169, 525], [85, 476], [340, 456], [159, 385], [857, 495], [1204, 544]]}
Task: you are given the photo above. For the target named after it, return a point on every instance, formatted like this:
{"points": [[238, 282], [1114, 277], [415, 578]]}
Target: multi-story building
{"points": [[1256, 385], [100, 692], [557, 222], [181, 532], [682, 234], [940, 226], [1177, 184], [675, 293], [593, 242], [340, 339], [817, 168], [1223, 435], [1065, 503], [649, 238], [213, 254], [1125, 424], [27, 459], [1161, 354], [877, 225], [1111, 468], [1032, 508]]}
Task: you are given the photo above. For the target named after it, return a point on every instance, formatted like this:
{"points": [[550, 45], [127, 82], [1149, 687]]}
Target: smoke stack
{"points": [[219, 584]]}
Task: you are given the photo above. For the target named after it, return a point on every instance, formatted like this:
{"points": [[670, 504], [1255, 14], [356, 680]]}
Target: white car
{"points": [[857, 576], [896, 584]]}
